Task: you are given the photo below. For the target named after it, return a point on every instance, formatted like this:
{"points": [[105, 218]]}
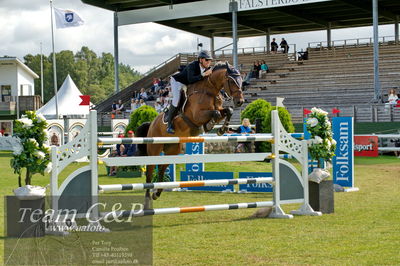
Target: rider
{"points": [[193, 72]]}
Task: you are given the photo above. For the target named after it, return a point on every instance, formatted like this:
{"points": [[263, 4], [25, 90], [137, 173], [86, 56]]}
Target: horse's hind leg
{"points": [[149, 174], [171, 149]]}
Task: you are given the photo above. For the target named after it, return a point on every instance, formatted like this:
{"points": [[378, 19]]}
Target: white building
{"points": [[16, 79]]}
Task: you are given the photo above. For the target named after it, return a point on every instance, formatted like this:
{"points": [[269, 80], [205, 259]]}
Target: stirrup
{"points": [[170, 130]]}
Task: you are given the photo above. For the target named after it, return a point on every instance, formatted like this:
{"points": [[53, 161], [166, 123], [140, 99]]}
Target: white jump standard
{"points": [[290, 186]]}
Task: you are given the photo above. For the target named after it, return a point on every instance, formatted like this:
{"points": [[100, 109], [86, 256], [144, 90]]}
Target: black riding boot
{"points": [[171, 114]]}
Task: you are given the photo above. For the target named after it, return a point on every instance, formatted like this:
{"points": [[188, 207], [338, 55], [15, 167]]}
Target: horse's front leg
{"points": [[227, 113], [214, 117], [161, 172]]}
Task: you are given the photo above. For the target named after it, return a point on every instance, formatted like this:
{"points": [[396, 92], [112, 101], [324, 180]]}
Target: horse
{"points": [[202, 109]]}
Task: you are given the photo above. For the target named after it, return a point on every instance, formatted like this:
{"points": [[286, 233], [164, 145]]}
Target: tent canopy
{"points": [[68, 102]]}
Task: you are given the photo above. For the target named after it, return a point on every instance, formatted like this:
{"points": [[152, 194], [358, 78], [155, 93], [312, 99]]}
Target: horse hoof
{"points": [[154, 196]]}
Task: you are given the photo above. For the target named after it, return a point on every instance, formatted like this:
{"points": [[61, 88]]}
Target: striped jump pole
{"points": [[165, 185], [219, 207], [169, 140]]}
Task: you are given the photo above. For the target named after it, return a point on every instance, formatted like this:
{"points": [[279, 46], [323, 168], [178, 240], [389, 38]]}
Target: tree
{"points": [[93, 75]]}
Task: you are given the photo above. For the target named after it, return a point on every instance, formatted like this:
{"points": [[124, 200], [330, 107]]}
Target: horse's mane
{"points": [[221, 65], [225, 65]]}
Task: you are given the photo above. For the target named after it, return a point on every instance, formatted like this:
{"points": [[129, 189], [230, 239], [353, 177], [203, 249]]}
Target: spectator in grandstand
{"points": [[246, 79], [244, 129], [302, 55], [114, 107], [155, 87], [142, 102], [284, 46], [120, 107], [274, 46], [392, 97], [134, 104], [161, 83], [157, 106], [264, 68], [256, 69], [392, 100], [143, 94]]}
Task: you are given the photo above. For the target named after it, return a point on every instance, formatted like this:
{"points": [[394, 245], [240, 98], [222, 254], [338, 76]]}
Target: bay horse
{"points": [[203, 108]]}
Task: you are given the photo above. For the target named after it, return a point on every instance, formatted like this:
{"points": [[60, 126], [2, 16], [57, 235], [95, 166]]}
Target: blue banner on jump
{"points": [[343, 168], [200, 176], [255, 187], [194, 148]]}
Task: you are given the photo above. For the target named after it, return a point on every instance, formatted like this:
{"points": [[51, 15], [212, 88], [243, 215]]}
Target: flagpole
{"points": [[54, 58], [41, 72]]}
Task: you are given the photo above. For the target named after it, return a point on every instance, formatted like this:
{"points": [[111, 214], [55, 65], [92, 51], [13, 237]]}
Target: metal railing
{"points": [[251, 50], [166, 62], [351, 42]]}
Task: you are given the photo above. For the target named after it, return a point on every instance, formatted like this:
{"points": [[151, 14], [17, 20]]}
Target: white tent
{"points": [[68, 102]]}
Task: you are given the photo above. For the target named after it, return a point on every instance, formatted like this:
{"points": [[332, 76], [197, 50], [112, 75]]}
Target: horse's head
{"points": [[232, 83]]}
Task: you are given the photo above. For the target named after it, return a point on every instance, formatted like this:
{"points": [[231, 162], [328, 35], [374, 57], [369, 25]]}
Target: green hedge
{"points": [[141, 115]]}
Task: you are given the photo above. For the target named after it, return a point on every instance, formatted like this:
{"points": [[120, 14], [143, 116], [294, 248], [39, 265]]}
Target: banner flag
{"points": [[85, 99], [67, 18]]}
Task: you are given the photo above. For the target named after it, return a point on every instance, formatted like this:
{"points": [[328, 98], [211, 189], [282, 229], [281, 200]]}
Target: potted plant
{"points": [[322, 149], [34, 157]]}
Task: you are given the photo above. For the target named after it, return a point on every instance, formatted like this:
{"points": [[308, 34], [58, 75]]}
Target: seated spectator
{"points": [[244, 129], [274, 46], [392, 97], [157, 106], [120, 107], [135, 104], [129, 149], [284, 46], [256, 69], [143, 94], [114, 107], [141, 103], [161, 83], [302, 55], [264, 68], [246, 79], [155, 87]]}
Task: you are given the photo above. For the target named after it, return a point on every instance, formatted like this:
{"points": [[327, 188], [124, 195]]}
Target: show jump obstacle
{"points": [[290, 186]]}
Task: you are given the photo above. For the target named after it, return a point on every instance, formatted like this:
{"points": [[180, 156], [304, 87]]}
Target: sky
{"points": [[24, 24]]}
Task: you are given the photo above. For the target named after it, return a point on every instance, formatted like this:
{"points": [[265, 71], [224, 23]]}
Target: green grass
{"points": [[364, 230]]}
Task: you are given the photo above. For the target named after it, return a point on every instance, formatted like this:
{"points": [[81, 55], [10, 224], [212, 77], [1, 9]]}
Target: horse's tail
{"points": [[141, 131]]}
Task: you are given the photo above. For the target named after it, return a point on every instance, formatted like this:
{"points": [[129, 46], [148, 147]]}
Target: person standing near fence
{"points": [[244, 129]]}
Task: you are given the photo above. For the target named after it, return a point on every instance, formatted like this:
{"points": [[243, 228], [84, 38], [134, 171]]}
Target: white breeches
{"points": [[176, 87]]}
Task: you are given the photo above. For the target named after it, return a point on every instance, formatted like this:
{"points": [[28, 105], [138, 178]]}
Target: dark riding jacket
{"points": [[190, 74]]}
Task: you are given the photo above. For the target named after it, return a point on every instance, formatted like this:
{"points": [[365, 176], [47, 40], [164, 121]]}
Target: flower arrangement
{"points": [[321, 143], [35, 154]]}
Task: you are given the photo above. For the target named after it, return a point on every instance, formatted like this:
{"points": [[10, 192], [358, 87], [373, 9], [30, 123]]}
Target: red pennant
{"points": [[335, 111], [306, 112], [85, 99]]}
